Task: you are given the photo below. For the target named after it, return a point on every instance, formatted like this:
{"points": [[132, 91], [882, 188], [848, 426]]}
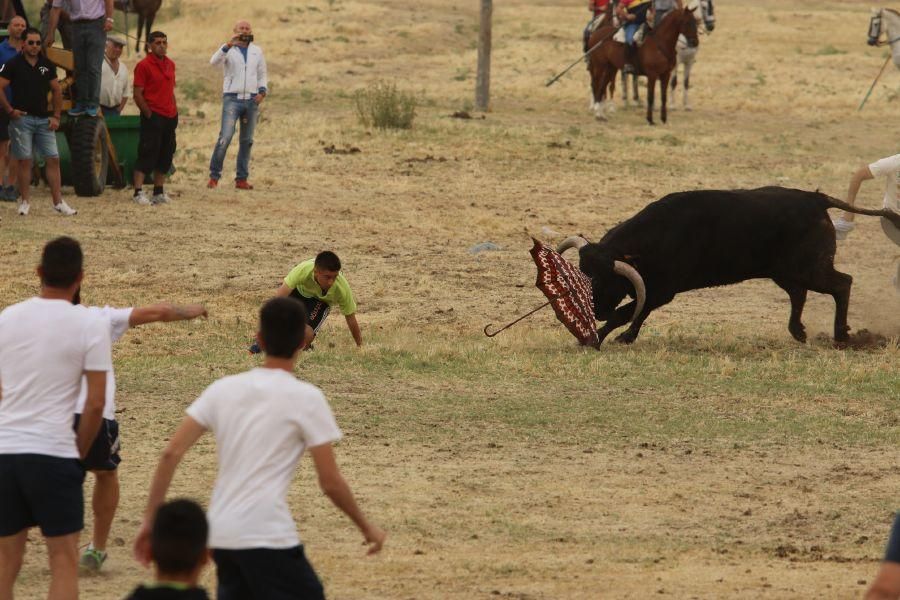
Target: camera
{"points": [[246, 37]]}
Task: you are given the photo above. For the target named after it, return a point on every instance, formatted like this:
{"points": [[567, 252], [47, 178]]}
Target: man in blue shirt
{"points": [[8, 50]]}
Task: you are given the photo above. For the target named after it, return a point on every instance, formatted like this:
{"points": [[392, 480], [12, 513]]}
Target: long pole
{"points": [[483, 82], [872, 87], [580, 58]]}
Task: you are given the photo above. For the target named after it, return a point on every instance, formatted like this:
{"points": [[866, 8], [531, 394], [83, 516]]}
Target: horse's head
{"points": [[688, 27], [875, 27], [709, 15]]}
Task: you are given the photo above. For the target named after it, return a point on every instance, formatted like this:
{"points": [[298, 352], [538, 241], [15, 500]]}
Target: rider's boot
{"points": [[630, 55]]}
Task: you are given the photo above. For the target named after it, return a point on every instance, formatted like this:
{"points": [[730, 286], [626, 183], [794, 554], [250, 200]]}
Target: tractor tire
{"points": [[90, 156]]}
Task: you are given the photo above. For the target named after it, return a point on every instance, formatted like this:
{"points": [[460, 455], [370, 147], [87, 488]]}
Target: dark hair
{"points": [[282, 326], [178, 539], [31, 30], [61, 262], [155, 34], [328, 261]]}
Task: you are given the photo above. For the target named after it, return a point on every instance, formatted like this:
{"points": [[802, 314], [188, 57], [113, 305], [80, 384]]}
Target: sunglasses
{"points": [[33, 43]]}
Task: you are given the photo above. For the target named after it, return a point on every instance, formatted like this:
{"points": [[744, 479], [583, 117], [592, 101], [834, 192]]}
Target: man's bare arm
{"points": [[92, 415], [52, 22], [165, 312], [141, 102], [332, 483], [284, 290], [353, 324], [861, 174]]}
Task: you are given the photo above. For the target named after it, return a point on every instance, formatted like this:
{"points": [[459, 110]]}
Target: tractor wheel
{"points": [[90, 156]]}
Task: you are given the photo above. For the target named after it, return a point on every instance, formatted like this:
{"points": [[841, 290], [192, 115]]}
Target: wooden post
{"points": [[483, 81]]}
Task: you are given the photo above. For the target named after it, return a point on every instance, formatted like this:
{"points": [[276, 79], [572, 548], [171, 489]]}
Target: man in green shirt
{"points": [[319, 284]]}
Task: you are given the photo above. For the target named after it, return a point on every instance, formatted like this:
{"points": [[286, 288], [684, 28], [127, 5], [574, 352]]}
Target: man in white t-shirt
{"points": [[46, 346], [103, 457], [889, 168], [262, 420]]}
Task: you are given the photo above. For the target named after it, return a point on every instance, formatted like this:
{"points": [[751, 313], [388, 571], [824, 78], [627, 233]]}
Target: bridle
{"points": [[875, 31]]}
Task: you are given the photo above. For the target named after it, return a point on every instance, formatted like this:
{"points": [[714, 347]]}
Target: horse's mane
{"points": [[891, 10]]}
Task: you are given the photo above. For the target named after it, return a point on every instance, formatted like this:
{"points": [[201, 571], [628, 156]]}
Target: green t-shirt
{"points": [[301, 278]]}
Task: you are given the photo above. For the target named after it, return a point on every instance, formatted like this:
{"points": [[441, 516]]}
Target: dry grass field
{"points": [[713, 458]]}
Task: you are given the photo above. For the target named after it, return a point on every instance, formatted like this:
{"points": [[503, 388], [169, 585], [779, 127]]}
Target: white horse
{"points": [[886, 21], [706, 21]]}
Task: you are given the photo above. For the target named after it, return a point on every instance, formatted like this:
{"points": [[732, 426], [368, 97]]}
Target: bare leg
{"points": [[63, 554], [25, 178], [138, 179], [12, 551], [104, 502], [54, 180], [159, 179]]}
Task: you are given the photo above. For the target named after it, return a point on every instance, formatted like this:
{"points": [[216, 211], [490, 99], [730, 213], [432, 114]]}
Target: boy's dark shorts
{"points": [[36, 489], [156, 146], [266, 574], [316, 310], [104, 452], [892, 553]]}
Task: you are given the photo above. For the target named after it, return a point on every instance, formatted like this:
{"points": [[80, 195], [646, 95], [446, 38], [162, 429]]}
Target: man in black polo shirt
{"points": [[31, 125]]}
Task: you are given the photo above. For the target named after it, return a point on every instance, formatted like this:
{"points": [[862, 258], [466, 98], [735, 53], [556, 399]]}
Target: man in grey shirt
{"points": [[661, 8], [91, 19]]}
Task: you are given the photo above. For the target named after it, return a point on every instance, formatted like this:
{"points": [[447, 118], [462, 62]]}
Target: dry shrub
{"points": [[385, 107]]}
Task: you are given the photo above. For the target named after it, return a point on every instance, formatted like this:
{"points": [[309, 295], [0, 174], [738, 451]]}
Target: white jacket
{"points": [[245, 78]]}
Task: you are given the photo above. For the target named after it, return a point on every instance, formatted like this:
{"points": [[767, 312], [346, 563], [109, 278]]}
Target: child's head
{"points": [[61, 263], [282, 327], [326, 268], [178, 540]]}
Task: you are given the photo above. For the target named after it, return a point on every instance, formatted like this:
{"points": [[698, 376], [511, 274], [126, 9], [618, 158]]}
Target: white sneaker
{"points": [[842, 228], [24, 207], [141, 198], [64, 209], [160, 198]]}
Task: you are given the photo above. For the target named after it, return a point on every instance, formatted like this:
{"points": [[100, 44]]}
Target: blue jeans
{"points": [[88, 44], [630, 29], [29, 133], [232, 110]]}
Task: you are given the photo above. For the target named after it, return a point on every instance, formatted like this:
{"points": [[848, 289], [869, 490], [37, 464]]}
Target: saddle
{"points": [[639, 36]]}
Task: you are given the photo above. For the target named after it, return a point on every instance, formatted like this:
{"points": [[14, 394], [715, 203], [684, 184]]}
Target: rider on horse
{"points": [[598, 9], [661, 8], [633, 14]]}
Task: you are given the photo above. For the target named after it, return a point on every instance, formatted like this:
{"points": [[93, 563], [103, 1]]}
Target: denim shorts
{"points": [[29, 134]]}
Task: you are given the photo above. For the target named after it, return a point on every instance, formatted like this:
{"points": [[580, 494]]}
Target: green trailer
{"points": [[97, 151]]}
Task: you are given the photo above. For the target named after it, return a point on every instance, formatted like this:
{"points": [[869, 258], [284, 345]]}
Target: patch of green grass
{"points": [[383, 106], [829, 50]]}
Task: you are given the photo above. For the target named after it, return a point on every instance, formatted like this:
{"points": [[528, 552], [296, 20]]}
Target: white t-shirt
{"points": [[263, 420], [118, 325], [45, 346], [890, 169], [114, 86]]}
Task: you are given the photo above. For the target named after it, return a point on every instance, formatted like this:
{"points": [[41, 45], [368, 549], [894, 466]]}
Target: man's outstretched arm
{"points": [[861, 174], [353, 324], [165, 312]]}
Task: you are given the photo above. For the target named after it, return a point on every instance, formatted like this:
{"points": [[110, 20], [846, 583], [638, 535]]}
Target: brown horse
{"points": [[146, 11], [656, 59]]}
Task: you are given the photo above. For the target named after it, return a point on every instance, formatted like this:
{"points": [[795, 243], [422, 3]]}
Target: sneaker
{"points": [[77, 110], [92, 559], [24, 207], [64, 209], [162, 198], [242, 184], [8, 194], [254, 348], [212, 183], [141, 198], [91, 111]]}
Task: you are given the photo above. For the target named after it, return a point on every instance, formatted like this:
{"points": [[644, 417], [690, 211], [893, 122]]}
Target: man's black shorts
{"points": [[157, 144], [4, 127], [104, 452], [316, 310], [892, 553], [266, 574], [36, 489]]}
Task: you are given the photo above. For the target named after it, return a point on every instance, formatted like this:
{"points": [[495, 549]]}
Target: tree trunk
{"points": [[483, 82]]}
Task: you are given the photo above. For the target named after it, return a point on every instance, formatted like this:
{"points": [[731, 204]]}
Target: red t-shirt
{"points": [[156, 76]]}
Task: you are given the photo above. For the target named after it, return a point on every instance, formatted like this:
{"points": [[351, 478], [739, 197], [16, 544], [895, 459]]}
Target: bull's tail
{"points": [[888, 214]]}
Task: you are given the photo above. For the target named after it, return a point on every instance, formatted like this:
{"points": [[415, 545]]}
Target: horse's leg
{"points": [[634, 89], [140, 30], [625, 88], [663, 95], [651, 85], [674, 82], [687, 83], [150, 18]]}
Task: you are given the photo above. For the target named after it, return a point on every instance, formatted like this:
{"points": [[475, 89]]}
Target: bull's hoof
{"points": [[799, 333], [626, 337]]}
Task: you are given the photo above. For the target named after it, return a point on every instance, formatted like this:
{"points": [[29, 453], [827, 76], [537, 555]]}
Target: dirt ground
{"points": [[714, 458]]}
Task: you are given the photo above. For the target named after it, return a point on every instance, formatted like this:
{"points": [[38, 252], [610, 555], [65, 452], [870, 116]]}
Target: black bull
{"points": [[700, 239]]}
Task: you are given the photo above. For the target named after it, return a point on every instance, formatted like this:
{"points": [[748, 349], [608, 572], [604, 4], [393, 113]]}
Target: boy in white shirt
{"points": [[103, 457], [889, 168], [253, 537], [46, 346]]}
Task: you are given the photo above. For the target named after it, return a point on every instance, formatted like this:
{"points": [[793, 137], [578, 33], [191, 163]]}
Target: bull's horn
{"points": [[574, 241], [631, 274]]}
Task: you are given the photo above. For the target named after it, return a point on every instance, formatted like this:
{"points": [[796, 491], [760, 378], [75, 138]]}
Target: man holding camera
{"points": [[243, 90]]}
